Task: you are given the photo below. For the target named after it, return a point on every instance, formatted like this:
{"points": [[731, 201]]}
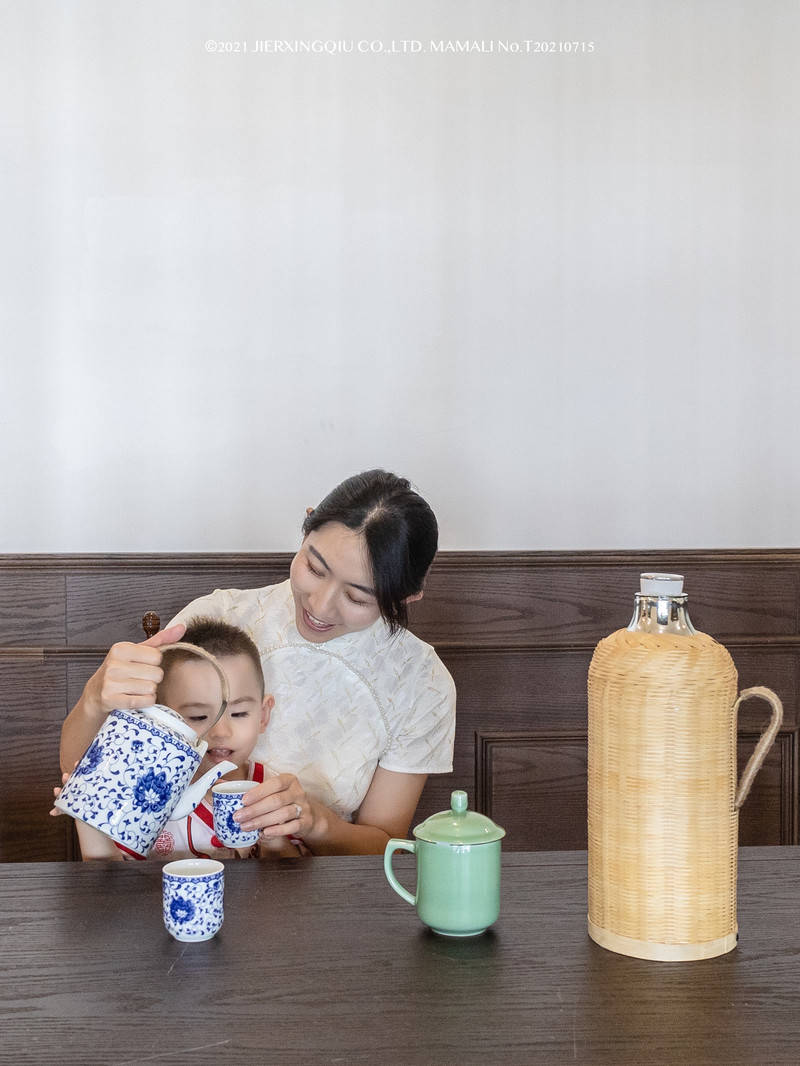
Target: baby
{"points": [[191, 687]]}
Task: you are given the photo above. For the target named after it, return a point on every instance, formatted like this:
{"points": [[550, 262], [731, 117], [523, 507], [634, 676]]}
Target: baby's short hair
{"points": [[218, 637]]}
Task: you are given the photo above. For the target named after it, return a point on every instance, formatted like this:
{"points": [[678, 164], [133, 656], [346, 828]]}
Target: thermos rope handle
{"points": [[184, 646], [765, 743]]}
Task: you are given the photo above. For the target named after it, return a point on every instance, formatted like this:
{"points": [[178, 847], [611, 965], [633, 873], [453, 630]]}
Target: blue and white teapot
{"points": [[137, 772]]}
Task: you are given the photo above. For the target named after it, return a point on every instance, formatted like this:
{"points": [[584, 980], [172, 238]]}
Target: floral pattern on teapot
{"points": [[91, 759]]}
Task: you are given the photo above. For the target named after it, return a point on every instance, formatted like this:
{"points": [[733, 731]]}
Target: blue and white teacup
{"points": [[228, 797], [193, 890]]}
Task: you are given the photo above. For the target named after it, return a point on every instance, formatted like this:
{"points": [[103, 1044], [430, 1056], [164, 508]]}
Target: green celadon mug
{"points": [[458, 870]]}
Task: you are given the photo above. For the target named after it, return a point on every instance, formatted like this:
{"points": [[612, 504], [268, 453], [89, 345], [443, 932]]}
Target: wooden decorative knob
{"points": [[151, 624]]}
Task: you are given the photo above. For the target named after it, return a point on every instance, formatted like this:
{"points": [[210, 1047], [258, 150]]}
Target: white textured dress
{"points": [[345, 706]]}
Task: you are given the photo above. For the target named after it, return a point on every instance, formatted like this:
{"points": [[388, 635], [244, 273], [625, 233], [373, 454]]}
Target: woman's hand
{"points": [[281, 807], [129, 675], [385, 812], [126, 679]]}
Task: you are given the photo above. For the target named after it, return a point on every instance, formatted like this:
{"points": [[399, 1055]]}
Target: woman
{"points": [[364, 710]]}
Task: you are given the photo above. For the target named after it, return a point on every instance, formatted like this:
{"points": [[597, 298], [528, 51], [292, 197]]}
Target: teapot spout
{"points": [[195, 792]]}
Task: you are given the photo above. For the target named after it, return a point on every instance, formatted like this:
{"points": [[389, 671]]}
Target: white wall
{"points": [[559, 291]]}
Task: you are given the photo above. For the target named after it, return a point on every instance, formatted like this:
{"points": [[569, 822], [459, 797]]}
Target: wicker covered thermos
{"points": [[663, 796]]}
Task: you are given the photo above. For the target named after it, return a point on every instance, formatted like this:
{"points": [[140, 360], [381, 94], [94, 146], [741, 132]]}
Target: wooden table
{"points": [[320, 962]]}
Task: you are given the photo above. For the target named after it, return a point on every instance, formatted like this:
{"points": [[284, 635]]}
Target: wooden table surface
{"points": [[318, 961]]}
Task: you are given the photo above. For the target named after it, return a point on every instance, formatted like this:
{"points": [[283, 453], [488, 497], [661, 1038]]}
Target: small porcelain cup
{"points": [[228, 797], [458, 870], [193, 890]]}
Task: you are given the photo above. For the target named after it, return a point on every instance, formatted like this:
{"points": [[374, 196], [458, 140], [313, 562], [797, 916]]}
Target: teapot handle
{"points": [[765, 742], [182, 645]]}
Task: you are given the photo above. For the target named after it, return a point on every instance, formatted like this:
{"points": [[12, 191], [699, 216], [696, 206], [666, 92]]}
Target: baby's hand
{"points": [[57, 792]]}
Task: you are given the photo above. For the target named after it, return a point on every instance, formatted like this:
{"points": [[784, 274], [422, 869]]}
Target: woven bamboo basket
{"points": [[663, 798]]}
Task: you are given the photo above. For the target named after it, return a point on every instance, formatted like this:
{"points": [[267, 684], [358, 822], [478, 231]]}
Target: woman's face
{"points": [[332, 584]]}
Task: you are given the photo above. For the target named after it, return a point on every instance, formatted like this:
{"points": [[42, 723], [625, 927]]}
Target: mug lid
{"points": [[458, 825]]}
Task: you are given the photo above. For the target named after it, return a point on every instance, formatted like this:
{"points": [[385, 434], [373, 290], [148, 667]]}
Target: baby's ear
{"points": [[266, 709]]}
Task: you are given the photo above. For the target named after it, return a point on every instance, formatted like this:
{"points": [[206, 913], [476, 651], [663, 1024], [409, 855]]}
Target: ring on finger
{"points": [[298, 811]]}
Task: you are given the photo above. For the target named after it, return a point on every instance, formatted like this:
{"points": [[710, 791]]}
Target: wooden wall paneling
{"points": [[32, 608], [105, 606], [536, 597], [533, 784], [32, 699], [769, 815], [775, 667], [508, 689], [728, 599], [80, 668], [515, 604], [471, 598], [515, 686]]}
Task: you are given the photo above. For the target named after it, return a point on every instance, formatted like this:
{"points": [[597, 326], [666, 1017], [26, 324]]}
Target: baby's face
{"points": [[191, 687]]}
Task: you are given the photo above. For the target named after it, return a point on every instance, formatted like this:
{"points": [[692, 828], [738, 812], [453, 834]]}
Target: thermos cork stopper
{"points": [[661, 584]]}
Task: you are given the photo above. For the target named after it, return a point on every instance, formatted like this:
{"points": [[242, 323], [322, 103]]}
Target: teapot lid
{"points": [[171, 721], [458, 825]]}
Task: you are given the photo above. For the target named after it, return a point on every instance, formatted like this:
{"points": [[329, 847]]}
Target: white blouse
{"points": [[345, 706]]}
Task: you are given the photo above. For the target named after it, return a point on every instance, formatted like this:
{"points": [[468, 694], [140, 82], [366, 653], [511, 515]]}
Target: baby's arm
{"points": [[96, 845]]}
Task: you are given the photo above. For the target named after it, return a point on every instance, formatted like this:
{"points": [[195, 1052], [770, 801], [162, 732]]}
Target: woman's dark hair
{"points": [[400, 531]]}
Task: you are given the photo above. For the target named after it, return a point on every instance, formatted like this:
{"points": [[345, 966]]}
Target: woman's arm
{"points": [[126, 679], [386, 811]]}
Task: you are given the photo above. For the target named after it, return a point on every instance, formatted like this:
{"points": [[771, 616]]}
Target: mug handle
{"points": [[393, 846], [765, 743]]}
